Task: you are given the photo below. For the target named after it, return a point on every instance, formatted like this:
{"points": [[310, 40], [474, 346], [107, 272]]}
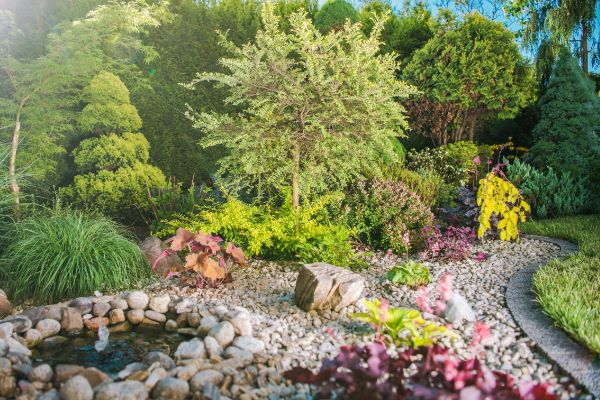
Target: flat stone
{"points": [[160, 304], [249, 343], [83, 304], [37, 314], [155, 316], [151, 323], [135, 316], [164, 360], [223, 332], [131, 368], [71, 323], [48, 327], [122, 327], [184, 306], [100, 309], [325, 286], [192, 349], [127, 390], [187, 331], [116, 316], [76, 388], [138, 300], [119, 304], [94, 324], [52, 342], [171, 389], [205, 377]]}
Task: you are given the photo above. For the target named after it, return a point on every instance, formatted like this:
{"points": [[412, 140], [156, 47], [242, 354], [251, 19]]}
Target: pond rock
{"points": [[20, 323], [52, 342], [164, 360], [155, 316], [76, 388], [37, 314], [223, 332], [48, 327], [94, 376], [205, 377], [5, 305], [135, 316], [249, 343], [6, 330], [213, 348], [118, 304], [241, 322], [171, 389], [41, 373], [325, 286], [100, 309], [71, 323], [127, 390], [160, 304], [51, 394], [116, 316], [83, 304], [152, 247], [63, 372], [138, 300], [94, 324], [33, 337], [190, 350], [206, 324]]}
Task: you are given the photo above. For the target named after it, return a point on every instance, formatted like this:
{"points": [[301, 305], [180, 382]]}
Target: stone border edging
{"points": [[555, 343]]}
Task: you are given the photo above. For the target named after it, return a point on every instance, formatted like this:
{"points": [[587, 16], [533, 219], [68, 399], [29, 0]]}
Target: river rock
{"points": [[193, 319], [6, 330], [118, 304], [223, 332], [20, 323], [244, 356], [205, 377], [64, 372], [5, 305], [213, 348], [171, 389], [206, 324], [76, 388], [249, 343], [160, 304], [52, 342], [116, 316], [93, 324], [41, 373], [241, 322], [190, 350], [130, 369], [127, 390], [138, 300], [51, 394], [33, 337], [83, 304], [71, 323], [325, 286], [186, 372], [8, 386], [48, 327], [164, 360], [94, 376], [17, 348], [156, 375], [171, 326], [458, 309], [152, 247], [135, 316], [155, 316], [100, 309], [37, 314]]}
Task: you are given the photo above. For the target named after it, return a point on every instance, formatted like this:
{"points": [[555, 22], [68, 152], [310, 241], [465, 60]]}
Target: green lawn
{"points": [[569, 289]]}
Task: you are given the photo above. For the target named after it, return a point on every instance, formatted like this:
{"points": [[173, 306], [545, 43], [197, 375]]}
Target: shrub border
{"points": [[579, 362]]}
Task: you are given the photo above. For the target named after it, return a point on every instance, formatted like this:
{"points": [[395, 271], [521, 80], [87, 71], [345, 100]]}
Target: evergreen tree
{"points": [[114, 175], [334, 14], [314, 108], [567, 135]]}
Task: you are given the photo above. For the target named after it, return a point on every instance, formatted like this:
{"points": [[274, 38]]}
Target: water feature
{"points": [[102, 342], [122, 349]]}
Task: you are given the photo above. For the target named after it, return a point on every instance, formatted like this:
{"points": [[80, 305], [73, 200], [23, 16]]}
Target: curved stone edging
{"points": [[577, 361]]}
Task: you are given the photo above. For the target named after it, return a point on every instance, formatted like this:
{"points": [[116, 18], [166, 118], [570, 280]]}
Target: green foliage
{"points": [[315, 124], [498, 198], [115, 177], [568, 288], [334, 14], [567, 134], [411, 273], [550, 194], [402, 326], [67, 254], [386, 214], [469, 73], [426, 183]]}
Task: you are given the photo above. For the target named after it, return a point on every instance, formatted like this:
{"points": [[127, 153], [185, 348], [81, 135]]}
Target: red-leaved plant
{"points": [[208, 261], [453, 244]]}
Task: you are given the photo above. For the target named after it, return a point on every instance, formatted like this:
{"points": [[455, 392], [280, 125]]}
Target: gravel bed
{"points": [[294, 337]]}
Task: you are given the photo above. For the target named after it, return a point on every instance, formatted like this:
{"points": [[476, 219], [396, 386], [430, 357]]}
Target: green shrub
{"points": [[426, 183], [68, 254], [386, 214], [550, 194], [411, 273], [334, 14]]}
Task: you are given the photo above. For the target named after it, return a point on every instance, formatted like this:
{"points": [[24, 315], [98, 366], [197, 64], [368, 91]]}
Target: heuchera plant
{"points": [[370, 373], [208, 261], [453, 244]]}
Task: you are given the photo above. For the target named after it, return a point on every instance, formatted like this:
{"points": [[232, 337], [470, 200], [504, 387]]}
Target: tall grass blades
{"points": [[68, 254]]}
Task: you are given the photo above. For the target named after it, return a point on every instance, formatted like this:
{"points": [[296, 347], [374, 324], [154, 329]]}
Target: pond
{"points": [[124, 348]]}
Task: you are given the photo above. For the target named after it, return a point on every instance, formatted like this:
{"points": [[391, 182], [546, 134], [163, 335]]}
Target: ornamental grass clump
{"points": [[68, 254]]}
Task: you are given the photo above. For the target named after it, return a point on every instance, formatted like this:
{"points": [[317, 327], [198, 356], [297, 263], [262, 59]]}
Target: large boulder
{"points": [[153, 247], [325, 286]]}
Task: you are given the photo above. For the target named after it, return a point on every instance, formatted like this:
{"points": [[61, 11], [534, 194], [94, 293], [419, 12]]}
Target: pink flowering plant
{"points": [[453, 244]]}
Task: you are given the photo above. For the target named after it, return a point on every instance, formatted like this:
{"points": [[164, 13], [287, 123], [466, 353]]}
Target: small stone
{"points": [[94, 376], [131, 369], [6, 330], [122, 327], [220, 311], [71, 322], [205, 377], [150, 322], [48, 327], [206, 324], [138, 300], [20, 324], [164, 360], [160, 304], [51, 394], [223, 332], [63, 372], [187, 372], [171, 326], [458, 309], [76, 388], [171, 389], [156, 375], [94, 324], [17, 348], [243, 356], [83, 304], [22, 369], [100, 309], [33, 337], [116, 316], [192, 349], [155, 316], [8, 386], [41, 373], [135, 316], [249, 343], [193, 320], [118, 304], [184, 306], [213, 348], [128, 390], [241, 323], [52, 342], [187, 331], [37, 314]]}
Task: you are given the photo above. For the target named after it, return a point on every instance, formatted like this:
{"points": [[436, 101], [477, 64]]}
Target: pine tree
{"points": [[566, 137]]}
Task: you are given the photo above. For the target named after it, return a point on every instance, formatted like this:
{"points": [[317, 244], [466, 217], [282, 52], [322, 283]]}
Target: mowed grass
{"points": [[569, 289]]}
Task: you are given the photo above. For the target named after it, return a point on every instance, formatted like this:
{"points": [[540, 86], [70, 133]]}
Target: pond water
{"points": [[124, 348]]}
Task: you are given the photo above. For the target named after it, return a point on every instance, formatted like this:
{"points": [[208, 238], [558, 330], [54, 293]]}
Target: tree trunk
{"points": [[296, 177], [584, 46], [14, 185], [472, 130]]}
